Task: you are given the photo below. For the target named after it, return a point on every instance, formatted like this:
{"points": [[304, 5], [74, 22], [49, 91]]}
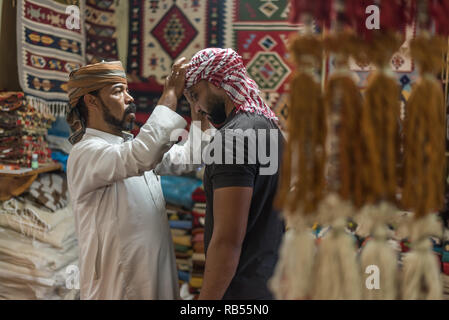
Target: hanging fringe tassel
{"points": [[293, 274], [337, 273], [424, 142], [56, 109], [378, 252], [421, 273], [343, 103], [379, 145], [302, 173]]}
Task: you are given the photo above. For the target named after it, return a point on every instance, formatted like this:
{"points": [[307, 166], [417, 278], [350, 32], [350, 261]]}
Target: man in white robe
{"points": [[125, 244]]}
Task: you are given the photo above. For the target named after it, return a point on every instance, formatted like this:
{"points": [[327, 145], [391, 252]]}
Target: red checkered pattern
{"points": [[224, 68]]}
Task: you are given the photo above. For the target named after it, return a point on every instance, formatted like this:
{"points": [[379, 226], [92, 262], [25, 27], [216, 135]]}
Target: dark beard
{"points": [[217, 114], [113, 122]]}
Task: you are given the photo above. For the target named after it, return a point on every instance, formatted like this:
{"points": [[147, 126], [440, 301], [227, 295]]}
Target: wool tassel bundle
{"points": [[377, 252], [379, 124], [302, 173], [424, 168], [421, 275], [424, 142], [337, 272], [291, 278], [380, 144]]}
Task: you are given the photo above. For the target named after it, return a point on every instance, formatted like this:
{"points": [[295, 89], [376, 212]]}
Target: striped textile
{"points": [[48, 50], [224, 68]]}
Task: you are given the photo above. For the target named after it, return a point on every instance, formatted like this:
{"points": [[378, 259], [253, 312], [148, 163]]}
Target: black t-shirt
{"points": [[265, 227]]}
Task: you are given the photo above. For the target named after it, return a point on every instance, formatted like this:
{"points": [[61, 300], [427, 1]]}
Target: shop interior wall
{"points": [[9, 79]]}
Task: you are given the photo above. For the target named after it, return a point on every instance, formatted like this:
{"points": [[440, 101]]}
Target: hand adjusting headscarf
{"points": [[224, 68], [85, 80]]}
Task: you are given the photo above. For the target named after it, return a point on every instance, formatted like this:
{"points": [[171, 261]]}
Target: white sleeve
{"points": [[187, 157], [94, 164]]}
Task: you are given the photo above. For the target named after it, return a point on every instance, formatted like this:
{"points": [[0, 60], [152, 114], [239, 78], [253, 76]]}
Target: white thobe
{"points": [[126, 249]]}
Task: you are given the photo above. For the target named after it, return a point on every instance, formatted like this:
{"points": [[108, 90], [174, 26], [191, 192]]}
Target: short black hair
{"points": [[82, 108]]}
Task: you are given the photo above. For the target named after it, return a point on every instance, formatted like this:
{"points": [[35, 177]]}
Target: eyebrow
{"points": [[121, 85]]}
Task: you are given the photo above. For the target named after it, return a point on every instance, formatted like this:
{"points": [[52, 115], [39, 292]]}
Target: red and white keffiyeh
{"points": [[224, 68]]}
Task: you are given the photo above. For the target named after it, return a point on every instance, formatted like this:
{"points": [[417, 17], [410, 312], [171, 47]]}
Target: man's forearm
{"points": [[221, 264], [169, 99]]}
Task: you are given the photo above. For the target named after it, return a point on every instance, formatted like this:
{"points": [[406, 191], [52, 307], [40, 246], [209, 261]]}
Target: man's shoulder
{"points": [[249, 120], [86, 147]]}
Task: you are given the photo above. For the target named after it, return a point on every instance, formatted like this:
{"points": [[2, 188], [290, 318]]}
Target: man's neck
{"points": [[106, 128]]}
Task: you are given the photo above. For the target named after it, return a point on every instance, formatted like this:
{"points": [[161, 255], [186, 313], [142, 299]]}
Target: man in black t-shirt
{"points": [[242, 231]]}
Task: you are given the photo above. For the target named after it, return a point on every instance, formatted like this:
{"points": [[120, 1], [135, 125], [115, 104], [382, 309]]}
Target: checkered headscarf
{"points": [[224, 68]]}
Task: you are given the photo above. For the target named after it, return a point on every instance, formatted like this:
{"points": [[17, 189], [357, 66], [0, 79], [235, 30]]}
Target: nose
{"points": [[128, 98]]}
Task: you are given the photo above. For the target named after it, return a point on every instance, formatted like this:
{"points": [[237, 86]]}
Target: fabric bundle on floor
{"points": [[198, 258], [22, 131], [180, 194], [180, 221], [38, 243]]}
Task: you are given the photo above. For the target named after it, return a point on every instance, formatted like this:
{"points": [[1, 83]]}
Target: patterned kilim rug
{"points": [[260, 33], [401, 60], [48, 51], [101, 38], [161, 31]]}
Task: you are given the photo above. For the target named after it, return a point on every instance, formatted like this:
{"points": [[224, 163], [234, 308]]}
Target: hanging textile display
{"points": [[22, 131], [305, 157], [101, 37], [372, 165], [49, 52], [424, 169], [160, 32]]}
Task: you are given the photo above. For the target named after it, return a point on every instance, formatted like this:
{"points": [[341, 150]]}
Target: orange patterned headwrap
{"points": [[85, 80]]}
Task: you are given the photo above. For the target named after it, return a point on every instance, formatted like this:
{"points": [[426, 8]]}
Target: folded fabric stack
{"points": [[178, 195], [445, 278], [58, 142], [22, 131], [38, 242], [180, 221], [198, 258]]}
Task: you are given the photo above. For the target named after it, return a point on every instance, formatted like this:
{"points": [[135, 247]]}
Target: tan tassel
{"points": [[377, 252], [292, 277], [337, 273], [304, 158], [424, 142], [302, 173], [379, 123], [424, 170], [421, 272]]}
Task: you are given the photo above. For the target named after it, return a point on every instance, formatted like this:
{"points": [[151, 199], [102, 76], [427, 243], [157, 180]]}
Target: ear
{"points": [[90, 101]]}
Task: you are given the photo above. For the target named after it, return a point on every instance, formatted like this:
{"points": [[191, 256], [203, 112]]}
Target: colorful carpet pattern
{"points": [[401, 61], [161, 31], [50, 51], [101, 37], [260, 33]]}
